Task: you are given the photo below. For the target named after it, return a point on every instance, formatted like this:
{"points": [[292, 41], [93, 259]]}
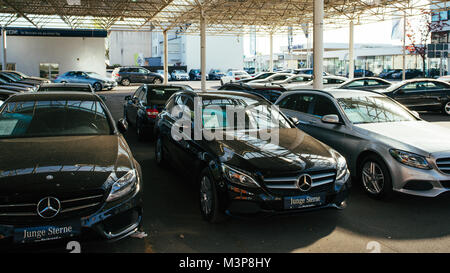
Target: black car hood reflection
{"points": [[295, 151], [60, 164]]}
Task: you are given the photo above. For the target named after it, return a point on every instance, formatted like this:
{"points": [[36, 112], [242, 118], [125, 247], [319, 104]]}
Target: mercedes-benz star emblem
{"points": [[48, 207], [49, 177], [304, 182]]}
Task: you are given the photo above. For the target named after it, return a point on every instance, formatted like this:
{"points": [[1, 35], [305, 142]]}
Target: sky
{"points": [[375, 33]]}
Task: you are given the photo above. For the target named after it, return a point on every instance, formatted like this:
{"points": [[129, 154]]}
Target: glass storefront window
{"points": [[48, 70]]}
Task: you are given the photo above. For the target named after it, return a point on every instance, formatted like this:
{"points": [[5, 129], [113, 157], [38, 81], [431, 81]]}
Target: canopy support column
{"points": [[203, 50], [166, 58], [351, 50], [318, 44]]}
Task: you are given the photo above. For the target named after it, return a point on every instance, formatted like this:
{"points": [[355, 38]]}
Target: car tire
{"points": [[125, 82], [97, 86], [375, 178], [157, 81], [209, 202], [446, 109], [160, 157]]}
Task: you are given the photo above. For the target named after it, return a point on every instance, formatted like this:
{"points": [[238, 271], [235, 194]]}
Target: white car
{"points": [[328, 82], [273, 78], [295, 79], [233, 76]]}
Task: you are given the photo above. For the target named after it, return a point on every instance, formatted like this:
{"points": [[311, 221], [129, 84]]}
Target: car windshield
{"points": [[241, 114], [93, 74], [162, 93], [372, 109], [53, 118]]}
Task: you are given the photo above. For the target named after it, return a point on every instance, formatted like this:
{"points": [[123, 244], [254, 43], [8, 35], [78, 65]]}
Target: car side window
{"points": [[410, 87], [357, 83], [138, 93], [299, 102], [324, 106], [142, 96], [142, 71]]}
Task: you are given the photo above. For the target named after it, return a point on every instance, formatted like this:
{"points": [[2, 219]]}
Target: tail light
{"points": [[152, 113], [237, 78], [117, 75]]}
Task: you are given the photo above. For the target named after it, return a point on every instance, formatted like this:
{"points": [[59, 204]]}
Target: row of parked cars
{"points": [[84, 176], [366, 128]]}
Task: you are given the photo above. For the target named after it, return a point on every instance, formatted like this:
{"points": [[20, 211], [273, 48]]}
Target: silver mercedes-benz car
{"points": [[388, 147]]}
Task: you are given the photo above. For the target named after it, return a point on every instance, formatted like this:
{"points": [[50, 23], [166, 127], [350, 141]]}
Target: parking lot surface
{"points": [[173, 223]]}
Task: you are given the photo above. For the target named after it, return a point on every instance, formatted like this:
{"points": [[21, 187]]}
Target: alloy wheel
{"points": [[372, 177], [125, 82], [206, 195], [447, 108]]}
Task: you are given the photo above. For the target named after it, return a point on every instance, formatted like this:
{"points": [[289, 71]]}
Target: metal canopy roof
{"points": [[223, 16]]}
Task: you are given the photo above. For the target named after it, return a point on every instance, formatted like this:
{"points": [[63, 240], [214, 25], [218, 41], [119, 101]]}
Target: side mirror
{"points": [[122, 125], [332, 119], [294, 120], [416, 114]]}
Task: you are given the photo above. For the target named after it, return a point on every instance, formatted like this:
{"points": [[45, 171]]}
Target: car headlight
{"points": [[239, 177], [410, 159], [342, 172], [122, 186]]}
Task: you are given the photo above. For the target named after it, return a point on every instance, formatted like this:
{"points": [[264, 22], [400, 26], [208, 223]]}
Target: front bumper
{"points": [[109, 85], [113, 221], [260, 201], [419, 182]]}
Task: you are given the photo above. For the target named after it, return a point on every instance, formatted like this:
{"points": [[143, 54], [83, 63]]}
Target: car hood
{"points": [[76, 163], [295, 151], [417, 136]]}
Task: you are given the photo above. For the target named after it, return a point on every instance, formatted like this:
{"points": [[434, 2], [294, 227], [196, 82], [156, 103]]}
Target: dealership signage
{"points": [[52, 32]]}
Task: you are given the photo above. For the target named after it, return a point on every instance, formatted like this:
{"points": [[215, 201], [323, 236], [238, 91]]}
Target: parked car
{"points": [[250, 70], [295, 79], [128, 75], [23, 76], [269, 92], [215, 74], [69, 170], [260, 76], [387, 147], [141, 109], [246, 174], [180, 75], [409, 74], [196, 75], [5, 94], [359, 73], [16, 86], [161, 73], [308, 71], [421, 94], [328, 82], [61, 87], [97, 81], [233, 76], [13, 80], [387, 73], [365, 83], [273, 78]]}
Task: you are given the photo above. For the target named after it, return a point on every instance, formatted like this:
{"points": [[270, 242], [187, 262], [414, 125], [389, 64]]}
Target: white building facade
{"points": [[222, 52], [49, 52]]}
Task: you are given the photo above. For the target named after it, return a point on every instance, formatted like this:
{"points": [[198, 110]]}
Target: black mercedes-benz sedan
{"points": [[246, 157], [65, 170], [141, 109]]}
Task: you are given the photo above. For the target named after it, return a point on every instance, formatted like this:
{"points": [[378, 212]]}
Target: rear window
{"points": [[53, 118], [162, 93]]}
